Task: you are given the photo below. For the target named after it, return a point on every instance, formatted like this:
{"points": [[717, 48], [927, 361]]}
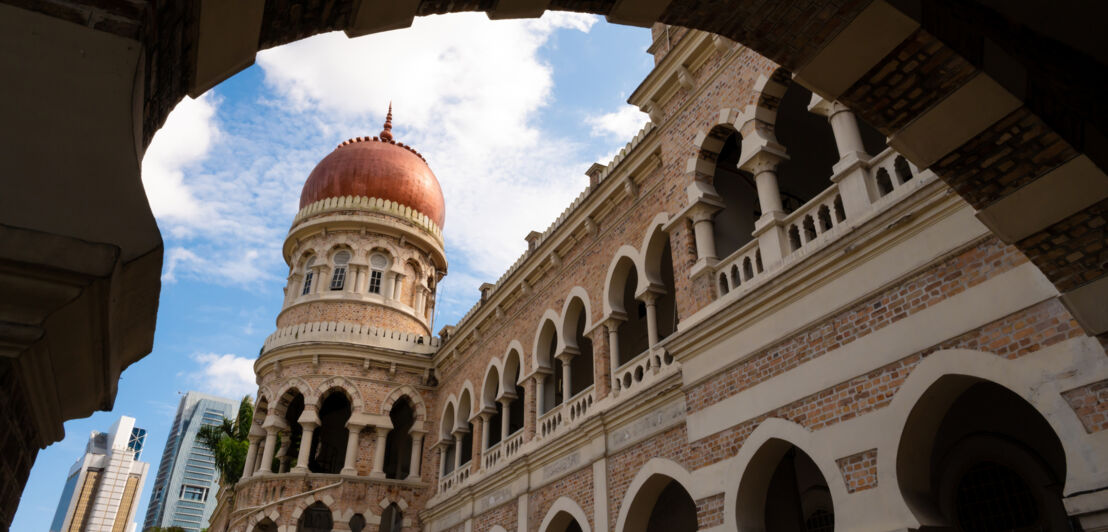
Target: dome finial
{"points": [[386, 134]]}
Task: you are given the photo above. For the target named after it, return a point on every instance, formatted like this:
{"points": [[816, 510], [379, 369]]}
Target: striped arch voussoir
{"points": [[413, 396]]}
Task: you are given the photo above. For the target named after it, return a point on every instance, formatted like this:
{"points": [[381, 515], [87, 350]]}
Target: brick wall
{"points": [[1090, 403], [859, 470]]}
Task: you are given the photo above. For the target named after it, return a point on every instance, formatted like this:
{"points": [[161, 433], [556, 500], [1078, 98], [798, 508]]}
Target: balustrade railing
{"points": [[740, 268], [549, 421], [819, 216], [513, 443], [641, 371], [454, 478], [492, 455], [889, 171]]}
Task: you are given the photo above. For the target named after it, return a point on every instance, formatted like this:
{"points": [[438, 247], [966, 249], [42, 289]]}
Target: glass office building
{"points": [[184, 490], [102, 490]]}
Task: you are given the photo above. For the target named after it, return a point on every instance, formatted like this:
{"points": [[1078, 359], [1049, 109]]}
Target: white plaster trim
{"points": [[950, 123], [567, 505], [872, 35], [1047, 200], [600, 493], [1000, 296]]}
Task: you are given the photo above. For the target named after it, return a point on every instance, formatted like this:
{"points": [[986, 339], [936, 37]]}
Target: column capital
{"points": [[417, 433], [614, 320], [566, 354], [308, 417], [507, 396], [382, 431], [765, 159], [355, 427]]}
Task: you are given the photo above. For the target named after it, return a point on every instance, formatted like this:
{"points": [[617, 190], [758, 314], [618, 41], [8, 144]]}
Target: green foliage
{"points": [[227, 442]]}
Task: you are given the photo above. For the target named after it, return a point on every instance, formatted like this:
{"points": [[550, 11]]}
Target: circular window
{"points": [[342, 257], [378, 261]]}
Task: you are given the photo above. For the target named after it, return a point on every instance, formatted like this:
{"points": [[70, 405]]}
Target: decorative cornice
{"points": [[375, 205], [353, 333]]}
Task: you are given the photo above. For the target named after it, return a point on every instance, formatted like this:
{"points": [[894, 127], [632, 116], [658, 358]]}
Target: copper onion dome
{"points": [[377, 167]]}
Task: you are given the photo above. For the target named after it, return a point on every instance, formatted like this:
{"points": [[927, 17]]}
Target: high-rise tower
{"points": [[344, 379], [102, 491], [187, 480]]}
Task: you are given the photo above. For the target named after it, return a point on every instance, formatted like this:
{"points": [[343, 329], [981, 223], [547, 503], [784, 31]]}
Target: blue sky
{"points": [[509, 115]]}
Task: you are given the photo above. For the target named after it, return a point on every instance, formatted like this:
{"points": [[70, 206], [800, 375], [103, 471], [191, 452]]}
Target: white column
{"points": [[540, 394], [442, 458], [566, 357], [458, 434], [397, 286], [484, 430], [251, 456], [650, 298], [848, 138], [769, 195], [308, 420], [505, 416], [417, 455], [612, 325], [703, 232], [379, 453], [267, 453], [351, 449]]}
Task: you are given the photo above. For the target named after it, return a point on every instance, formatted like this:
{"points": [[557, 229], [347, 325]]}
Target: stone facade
{"points": [[833, 369]]}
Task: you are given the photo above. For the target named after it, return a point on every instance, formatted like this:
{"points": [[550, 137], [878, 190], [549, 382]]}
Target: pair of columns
{"points": [[763, 163], [259, 464]]}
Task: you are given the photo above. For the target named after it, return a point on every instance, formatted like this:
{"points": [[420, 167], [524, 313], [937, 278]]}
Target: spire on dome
{"points": [[386, 134]]}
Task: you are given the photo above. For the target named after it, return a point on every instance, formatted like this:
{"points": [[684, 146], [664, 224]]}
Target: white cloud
{"points": [[622, 124], [225, 375], [467, 93], [183, 141]]}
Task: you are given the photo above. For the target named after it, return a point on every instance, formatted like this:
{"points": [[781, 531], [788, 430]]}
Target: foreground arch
{"points": [[565, 515]]}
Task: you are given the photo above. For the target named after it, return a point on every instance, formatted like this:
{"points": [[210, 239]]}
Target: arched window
{"points": [[733, 225], [633, 338], [581, 366], [398, 443], [329, 441], [316, 518], [783, 489], [377, 265], [446, 430], [308, 274], [516, 405], [338, 277], [673, 511], [392, 519], [992, 461], [292, 403], [489, 393], [465, 446], [552, 382]]}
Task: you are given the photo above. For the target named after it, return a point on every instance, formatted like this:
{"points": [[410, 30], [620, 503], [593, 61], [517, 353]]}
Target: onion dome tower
{"points": [[343, 382], [366, 246]]}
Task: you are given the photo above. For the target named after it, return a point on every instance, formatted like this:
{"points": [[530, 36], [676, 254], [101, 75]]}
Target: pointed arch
{"points": [[446, 421], [653, 244], [561, 513], [756, 462], [571, 312], [491, 387], [644, 489], [944, 374], [283, 394], [465, 405], [624, 262], [513, 363], [548, 329], [405, 391], [344, 385]]}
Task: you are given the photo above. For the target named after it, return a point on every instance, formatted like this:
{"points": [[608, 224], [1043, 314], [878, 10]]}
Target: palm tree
{"points": [[227, 442]]}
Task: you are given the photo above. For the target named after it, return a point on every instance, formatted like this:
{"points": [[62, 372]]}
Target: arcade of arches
{"points": [[850, 277]]}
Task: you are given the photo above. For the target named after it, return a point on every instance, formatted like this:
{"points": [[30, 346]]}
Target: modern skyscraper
{"points": [[184, 490], [103, 486]]}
